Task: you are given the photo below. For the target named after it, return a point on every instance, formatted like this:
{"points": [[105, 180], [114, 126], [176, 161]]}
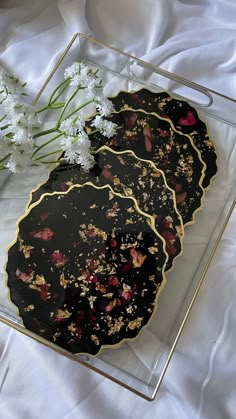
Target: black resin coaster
{"points": [[131, 177], [86, 269], [183, 116], [152, 138]]}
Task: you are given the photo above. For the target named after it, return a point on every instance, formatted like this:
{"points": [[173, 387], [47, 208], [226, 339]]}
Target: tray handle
{"points": [[176, 78]]}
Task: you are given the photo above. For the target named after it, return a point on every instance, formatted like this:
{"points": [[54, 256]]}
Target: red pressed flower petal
{"points": [[58, 259], [44, 216], [188, 120], [44, 292], [180, 197], [164, 133], [126, 295], [112, 281], [106, 173], [101, 288], [126, 267], [79, 331], [44, 234], [64, 187], [178, 187], [113, 243], [130, 122]]}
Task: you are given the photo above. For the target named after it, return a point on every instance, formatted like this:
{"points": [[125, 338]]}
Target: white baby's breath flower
{"points": [[81, 75], [10, 84], [107, 128], [20, 159], [93, 89], [83, 141], [23, 123], [106, 107], [77, 150], [86, 160], [5, 147], [74, 69], [22, 136], [98, 122], [73, 124]]}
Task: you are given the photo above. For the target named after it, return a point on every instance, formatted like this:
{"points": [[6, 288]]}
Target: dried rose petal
{"points": [[113, 243], [44, 215], [164, 133], [126, 295], [115, 303], [188, 120], [58, 259], [112, 281], [44, 294], [44, 234], [137, 257], [101, 288], [106, 173]]}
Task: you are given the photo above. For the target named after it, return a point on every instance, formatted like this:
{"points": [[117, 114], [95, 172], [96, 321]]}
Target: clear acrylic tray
{"points": [[139, 365]]}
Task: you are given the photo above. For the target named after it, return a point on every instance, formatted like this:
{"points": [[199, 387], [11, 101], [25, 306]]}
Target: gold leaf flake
{"points": [[128, 191], [94, 339], [72, 328], [91, 300], [135, 324], [116, 326], [29, 308], [40, 280], [25, 249], [63, 281], [121, 160], [153, 250], [62, 314]]}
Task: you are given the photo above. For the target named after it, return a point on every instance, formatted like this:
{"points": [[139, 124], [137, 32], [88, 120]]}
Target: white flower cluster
{"points": [[20, 124], [76, 144], [82, 76], [17, 127], [107, 128], [9, 85]]}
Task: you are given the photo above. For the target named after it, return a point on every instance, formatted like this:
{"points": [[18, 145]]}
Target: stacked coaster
{"points": [[183, 117], [91, 252], [86, 268]]}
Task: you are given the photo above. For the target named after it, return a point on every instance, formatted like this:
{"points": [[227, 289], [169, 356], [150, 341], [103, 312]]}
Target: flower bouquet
{"points": [[22, 130]]}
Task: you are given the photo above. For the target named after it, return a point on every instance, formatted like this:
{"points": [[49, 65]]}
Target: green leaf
{"points": [[57, 105]]}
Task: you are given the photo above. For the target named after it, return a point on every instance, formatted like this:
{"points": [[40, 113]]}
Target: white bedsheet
{"points": [[195, 39]]}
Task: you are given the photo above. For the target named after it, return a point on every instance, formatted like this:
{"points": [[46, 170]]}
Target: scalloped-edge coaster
{"points": [[129, 176], [183, 116], [86, 268], [154, 138]]}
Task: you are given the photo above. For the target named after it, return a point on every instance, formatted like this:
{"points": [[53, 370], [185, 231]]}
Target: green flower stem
{"points": [[48, 154], [47, 142], [4, 158], [46, 132], [64, 82], [3, 117], [93, 132], [66, 105], [79, 108], [4, 127], [50, 101], [46, 162], [62, 90]]}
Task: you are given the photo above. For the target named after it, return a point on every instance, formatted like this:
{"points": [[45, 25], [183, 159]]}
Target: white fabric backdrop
{"points": [[195, 39]]}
